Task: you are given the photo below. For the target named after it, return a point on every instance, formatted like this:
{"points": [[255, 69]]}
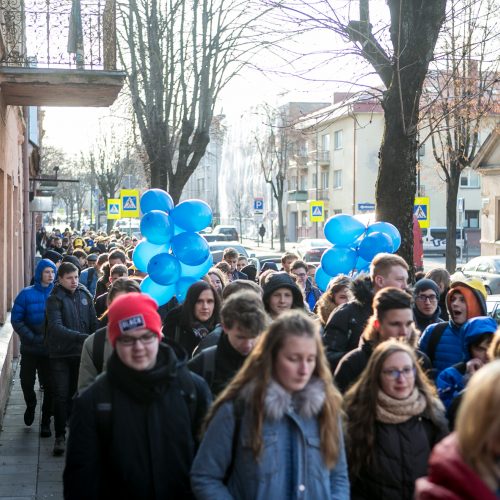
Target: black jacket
{"points": [[400, 457], [70, 320], [353, 363], [226, 361], [346, 324], [422, 322], [146, 449]]}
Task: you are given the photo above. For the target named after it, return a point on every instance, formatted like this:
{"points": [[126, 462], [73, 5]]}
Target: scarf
{"points": [[397, 411]]}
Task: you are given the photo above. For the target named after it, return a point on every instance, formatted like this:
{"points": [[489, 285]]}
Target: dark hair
{"points": [[187, 318], [299, 264], [120, 269], [117, 254], [480, 339], [288, 255], [230, 253], [390, 298], [79, 253], [66, 268], [246, 309], [240, 285]]}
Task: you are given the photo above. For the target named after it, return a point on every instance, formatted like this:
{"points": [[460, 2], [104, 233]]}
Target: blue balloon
{"points": [[388, 229], [197, 271], [156, 199], [343, 230], [164, 269], [373, 244], [144, 252], [162, 294], [362, 264], [192, 215], [322, 279], [190, 248], [182, 287], [157, 227], [338, 260]]}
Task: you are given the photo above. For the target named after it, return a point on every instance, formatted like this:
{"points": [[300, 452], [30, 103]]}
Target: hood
{"points": [[282, 280], [43, 264], [362, 289], [476, 327], [474, 298]]}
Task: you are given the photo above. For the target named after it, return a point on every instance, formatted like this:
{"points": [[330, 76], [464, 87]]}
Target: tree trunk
{"points": [[280, 223], [397, 174], [451, 216]]}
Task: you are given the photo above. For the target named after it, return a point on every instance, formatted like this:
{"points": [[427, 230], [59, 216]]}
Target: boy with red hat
{"points": [[133, 432]]}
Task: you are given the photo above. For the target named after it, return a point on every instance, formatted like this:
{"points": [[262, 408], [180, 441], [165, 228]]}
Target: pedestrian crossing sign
{"points": [[129, 202], [113, 208], [317, 211], [421, 210]]}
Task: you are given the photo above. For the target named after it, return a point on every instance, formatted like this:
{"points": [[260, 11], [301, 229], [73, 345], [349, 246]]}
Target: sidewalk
{"points": [[28, 471]]}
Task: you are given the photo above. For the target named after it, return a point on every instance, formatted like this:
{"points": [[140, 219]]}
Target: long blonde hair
{"points": [[478, 422], [258, 369]]}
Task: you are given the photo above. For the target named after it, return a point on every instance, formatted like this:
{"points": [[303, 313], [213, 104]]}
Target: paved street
{"points": [[28, 471]]}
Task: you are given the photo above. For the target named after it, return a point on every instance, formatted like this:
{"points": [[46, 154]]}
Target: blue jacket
{"points": [[312, 294], [453, 380], [290, 466], [84, 279], [28, 312]]}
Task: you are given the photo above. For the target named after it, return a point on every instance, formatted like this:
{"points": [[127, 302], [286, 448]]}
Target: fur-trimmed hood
{"points": [[362, 289], [307, 403]]}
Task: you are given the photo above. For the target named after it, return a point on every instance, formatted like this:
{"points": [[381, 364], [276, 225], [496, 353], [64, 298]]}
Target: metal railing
{"points": [[70, 34]]}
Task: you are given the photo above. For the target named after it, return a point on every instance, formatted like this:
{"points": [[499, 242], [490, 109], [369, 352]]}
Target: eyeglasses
{"points": [[395, 374], [300, 275], [427, 298], [128, 341]]}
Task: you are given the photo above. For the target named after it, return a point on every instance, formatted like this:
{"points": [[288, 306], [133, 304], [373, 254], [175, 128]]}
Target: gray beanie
{"points": [[426, 284]]}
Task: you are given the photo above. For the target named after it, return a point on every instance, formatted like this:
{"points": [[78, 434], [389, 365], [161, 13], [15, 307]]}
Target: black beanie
{"points": [[426, 284]]}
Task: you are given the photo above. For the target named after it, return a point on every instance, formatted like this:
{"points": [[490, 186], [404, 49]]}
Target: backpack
{"points": [[90, 278], [208, 364], [435, 337], [98, 349]]}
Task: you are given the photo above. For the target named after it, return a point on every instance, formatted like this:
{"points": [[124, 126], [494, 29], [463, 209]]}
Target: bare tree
{"points": [[399, 53], [459, 97], [178, 56]]}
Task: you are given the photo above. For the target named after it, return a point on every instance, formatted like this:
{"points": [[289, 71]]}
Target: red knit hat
{"points": [[131, 312]]}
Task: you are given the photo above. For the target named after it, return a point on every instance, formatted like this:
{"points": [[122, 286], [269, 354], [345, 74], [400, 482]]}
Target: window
{"points": [[201, 185], [303, 182], [338, 139], [293, 183], [303, 219], [469, 179], [471, 218], [337, 211], [337, 179], [325, 178], [325, 142], [314, 180]]}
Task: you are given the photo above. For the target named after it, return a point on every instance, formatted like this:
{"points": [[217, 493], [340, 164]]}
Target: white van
{"points": [[434, 240]]}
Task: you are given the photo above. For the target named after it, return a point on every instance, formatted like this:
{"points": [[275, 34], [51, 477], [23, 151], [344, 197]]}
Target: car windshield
{"points": [[241, 250]]}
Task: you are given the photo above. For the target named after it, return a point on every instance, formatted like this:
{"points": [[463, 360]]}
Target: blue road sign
{"points": [[366, 207], [258, 205], [420, 212]]}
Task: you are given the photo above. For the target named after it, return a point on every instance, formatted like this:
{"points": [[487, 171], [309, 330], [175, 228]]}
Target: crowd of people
{"points": [[258, 385]]}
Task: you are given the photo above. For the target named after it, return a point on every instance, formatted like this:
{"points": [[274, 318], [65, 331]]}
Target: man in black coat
{"points": [[132, 432], [70, 319], [346, 323]]}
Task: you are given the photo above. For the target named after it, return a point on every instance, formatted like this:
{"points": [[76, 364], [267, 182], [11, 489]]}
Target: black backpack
{"points": [[435, 337]]}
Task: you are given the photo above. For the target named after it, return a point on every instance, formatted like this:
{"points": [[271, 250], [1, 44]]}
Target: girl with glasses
{"points": [[393, 421]]}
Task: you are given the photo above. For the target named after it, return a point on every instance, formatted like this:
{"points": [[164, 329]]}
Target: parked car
{"points": [[217, 249], [228, 231], [434, 240], [311, 250], [493, 307], [130, 226], [486, 269]]}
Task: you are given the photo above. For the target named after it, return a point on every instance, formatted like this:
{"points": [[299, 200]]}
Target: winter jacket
{"points": [[70, 320], [290, 466], [173, 330], [422, 321], [145, 447], [89, 278], [88, 371], [217, 364], [311, 294], [28, 312], [449, 350], [451, 381], [353, 363], [347, 322], [450, 478], [401, 452]]}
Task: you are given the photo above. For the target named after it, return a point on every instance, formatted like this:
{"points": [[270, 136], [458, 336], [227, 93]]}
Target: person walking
{"points": [[275, 431], [28, 321], [133, 432], [71, 319], [262, 233], [393, 420]]}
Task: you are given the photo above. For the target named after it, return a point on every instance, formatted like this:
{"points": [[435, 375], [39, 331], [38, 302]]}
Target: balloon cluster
{"points": [[354, 245], [172, 252]]}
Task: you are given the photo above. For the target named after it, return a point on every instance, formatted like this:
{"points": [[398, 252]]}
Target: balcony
{"points": [[297, 195], [322, 194], [59, 53], [324, 157]]}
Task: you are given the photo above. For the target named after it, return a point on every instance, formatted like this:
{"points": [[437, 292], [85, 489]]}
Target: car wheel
{"points": [[488, 290]]}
